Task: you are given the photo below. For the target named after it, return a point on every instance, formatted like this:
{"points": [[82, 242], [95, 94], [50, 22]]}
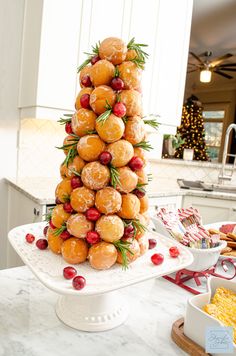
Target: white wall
{"points": [[11, 21]]}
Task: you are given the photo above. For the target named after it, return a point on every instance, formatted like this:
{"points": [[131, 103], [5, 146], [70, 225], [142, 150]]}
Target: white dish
{"points": [[202, 258], [196, 320], [98, 306]]}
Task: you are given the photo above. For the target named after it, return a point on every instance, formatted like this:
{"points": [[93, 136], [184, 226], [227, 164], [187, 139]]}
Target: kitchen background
{"points": [[41, 45]]}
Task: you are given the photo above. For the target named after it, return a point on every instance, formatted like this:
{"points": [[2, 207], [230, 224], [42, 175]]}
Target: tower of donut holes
{"points": [[92, 214]]}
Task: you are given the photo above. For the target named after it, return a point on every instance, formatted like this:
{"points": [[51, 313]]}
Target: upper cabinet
{"points": [[57, 32]]}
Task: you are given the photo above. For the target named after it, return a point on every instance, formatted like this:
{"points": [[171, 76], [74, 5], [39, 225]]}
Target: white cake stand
{"points": [[99, 306]]}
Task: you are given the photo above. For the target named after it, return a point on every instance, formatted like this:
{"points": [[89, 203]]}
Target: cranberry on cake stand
{"points": [[98, 306]]}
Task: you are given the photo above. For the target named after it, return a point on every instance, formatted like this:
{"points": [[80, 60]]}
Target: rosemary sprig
{"points": [[115, 180], [140, 187], [64, 121], [90, 132], [72, 152], [123, 247], [141, 54], [73, 143], [138, 227], [95, 50], [58, 231], [74, 172], [145, 145], [68, 115], [66, 198], [125, 119], [117, 73], [103, 117], [48, 216], [152, 122]]}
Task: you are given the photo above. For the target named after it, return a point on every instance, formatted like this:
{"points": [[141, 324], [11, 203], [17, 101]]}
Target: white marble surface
{"points": [[29, 326]]}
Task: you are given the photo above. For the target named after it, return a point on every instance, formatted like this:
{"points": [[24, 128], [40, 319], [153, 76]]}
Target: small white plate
{"points": [[48, 266]]}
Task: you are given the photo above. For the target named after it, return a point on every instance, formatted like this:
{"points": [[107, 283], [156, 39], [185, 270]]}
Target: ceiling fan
{"points": [[207, 66]]}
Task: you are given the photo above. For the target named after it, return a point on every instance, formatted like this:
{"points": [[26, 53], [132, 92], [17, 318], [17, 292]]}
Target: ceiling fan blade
{"points": [[197, 58], [223, 74], [220, 59], [226, 69], [193, 70], [227, 65]]}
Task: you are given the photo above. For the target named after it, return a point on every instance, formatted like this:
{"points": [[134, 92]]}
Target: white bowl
{"points": [[202, 258], [196, 320]]}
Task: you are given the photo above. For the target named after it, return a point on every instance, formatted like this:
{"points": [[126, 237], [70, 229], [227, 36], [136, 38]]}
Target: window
{"points": [[216, 119]]}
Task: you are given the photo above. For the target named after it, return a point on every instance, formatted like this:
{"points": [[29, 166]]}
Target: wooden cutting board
{"points": [[186, 344]]}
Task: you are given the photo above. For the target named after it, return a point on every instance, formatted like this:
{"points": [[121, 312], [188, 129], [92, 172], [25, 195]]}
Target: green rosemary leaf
{"points": [[117, 73], [138, 48], [145, 145], [68, 115], [103, 117], [48, 216], [66, 198], [114, 176], [72, 152], [90, 132], [58, 231], [63, 121], [152, 122], [123, 247], [138, 227], [139, 62], [74, 172], [125, 119], [84, 64]]}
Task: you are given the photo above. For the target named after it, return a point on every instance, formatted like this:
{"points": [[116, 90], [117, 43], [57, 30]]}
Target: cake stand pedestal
{"points": [[98, 306], [93, 313]]}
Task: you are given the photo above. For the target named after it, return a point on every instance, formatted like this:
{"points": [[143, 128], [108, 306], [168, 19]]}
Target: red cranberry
{"points": [[68, 208], [105, 157], [65, 235], [51, 225], [29, 238], [79, 282], [68, 128], [58, 201], [157, 258], [45, 230], [174, 251], [119, 109], [92, 214], [86, 81], [152, 243], [117, 84], [128, 232], [69, 272], [95, 59], [139, 193], [42, 244], [135, 163], [93, 237], [76, 182], [84, 101]]}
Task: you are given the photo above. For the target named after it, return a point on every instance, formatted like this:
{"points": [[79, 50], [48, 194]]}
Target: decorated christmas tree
{"points": [[192, 130], [101, 203]]}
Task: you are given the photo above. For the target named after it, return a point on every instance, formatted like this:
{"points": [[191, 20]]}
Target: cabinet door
{"points": [[211, 210], [21, 210]]}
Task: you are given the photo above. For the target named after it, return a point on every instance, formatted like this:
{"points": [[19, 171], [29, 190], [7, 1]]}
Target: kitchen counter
{"points": [[30, 327], [42, 189]]}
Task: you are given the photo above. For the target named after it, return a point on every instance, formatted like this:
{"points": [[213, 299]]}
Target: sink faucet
{"points": [[222, 175]]}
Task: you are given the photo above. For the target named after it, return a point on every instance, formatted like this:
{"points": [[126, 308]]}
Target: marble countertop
{"points": [[42, 189], [30, 327]]}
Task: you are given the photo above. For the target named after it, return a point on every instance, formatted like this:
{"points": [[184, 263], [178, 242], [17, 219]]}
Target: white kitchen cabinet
{"points": [[21, 210], [211, 209], [56, 33]]}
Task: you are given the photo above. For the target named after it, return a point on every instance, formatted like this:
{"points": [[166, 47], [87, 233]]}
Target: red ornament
{"points": [[128, 231], [105, 158], [65, 235], [95, 59], [135, 163], [152, 243], [117, 84], [84, 101], [93, 237], [68, 208], [119, 109], [76, 182], [68, 128], [86, 81], [42, 244]]}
